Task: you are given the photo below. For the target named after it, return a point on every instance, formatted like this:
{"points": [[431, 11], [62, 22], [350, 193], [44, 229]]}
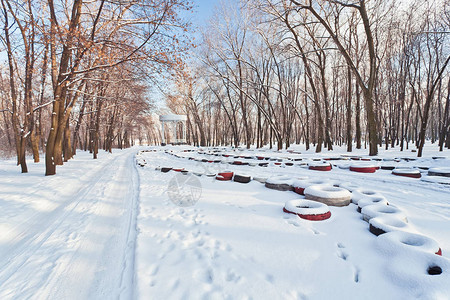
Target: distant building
{"points": [[178, 124]]}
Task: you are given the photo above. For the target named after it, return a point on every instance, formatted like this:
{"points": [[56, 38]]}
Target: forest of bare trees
{"points": [[364, 73], [77, 73], [356, 73]]}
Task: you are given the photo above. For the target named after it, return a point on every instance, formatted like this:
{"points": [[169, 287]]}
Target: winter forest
{"points": [[95, 75]]}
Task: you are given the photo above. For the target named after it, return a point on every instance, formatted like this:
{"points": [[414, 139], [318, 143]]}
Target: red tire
{"points": [[228, 175], [221, 178], [363, 169], [320, 168], [320, 217], [299, 190], [287, 211], [308, 210]]}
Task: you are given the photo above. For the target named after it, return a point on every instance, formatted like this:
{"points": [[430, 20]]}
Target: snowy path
{"points": [[72, 236]]}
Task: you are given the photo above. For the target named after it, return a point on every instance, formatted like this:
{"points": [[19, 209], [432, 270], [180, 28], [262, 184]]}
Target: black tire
{"points": [[242, 178], [279, 186], [387, 168], [375, 230]]}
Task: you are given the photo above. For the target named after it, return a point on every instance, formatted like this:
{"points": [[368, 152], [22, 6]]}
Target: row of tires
{"points": [[386, 221], [392, 228], [326, 166]]}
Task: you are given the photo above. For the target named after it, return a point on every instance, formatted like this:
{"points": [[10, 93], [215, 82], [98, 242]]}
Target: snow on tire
{"points": [[364, 168], [261, 179], [412, 173], [436, 179], [383, 224], [308, 210], [410, 241], [242, 178], [320, 166], [300, 185], [445, 172], [363, 193], [371, 200], [280, 183], [375, 210], [329, 195]]}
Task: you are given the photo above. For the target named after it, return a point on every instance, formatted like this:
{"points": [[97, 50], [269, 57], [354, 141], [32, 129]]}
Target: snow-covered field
{"points": [[109, 229]]}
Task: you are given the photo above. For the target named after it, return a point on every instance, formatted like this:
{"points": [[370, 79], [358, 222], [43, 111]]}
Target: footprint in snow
{"points": [[356, 275], [293, 222], [204, 275], [232, 276], [270, 278], [341, 253]]}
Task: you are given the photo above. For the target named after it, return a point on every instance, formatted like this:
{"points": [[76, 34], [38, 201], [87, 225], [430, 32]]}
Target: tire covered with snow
{"points": [[242, 178], [436, 179], [371, 200], [383, 224], [320, 166], [165, 169], [308, 210], [261, 179], [410, 241], [412, 173], [329, 195], [375, 210], [280, 183], [363, 168], [363, 193], [445, 172], [300, 185]]}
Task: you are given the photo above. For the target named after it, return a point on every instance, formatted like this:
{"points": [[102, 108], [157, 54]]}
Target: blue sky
{"points": [[203, 10]]}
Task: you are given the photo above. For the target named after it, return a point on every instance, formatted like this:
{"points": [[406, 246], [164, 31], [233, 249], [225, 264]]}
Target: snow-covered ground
{"points": [[109, 229]]}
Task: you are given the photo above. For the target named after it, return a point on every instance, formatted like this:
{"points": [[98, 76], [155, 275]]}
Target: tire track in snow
{"points": [[127, 277], [27, 242], [70, 223]]}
